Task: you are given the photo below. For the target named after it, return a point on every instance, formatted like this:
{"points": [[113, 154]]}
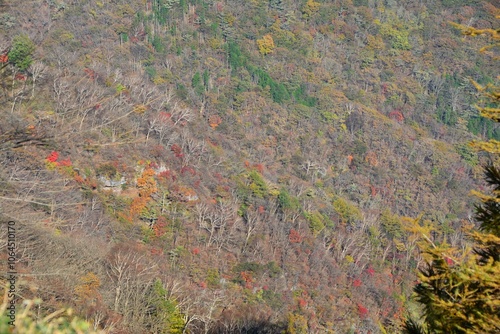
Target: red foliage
{"points": [[294, 236], [396, 115], [363, 311], [156, 251], [177, 150], [166, 174], [160, 228], [65, 163], [20, 77], [302, 303], [357, 283], [259, 168], [157, 151], [246, 276], [4, 58], [195, 251], [448, 261], [261, 209], [90, 73], [370, 271], [219, 6], [188, 169], [53, 156], [203, 285], [91, 183], [165, 116], [385, 87]]}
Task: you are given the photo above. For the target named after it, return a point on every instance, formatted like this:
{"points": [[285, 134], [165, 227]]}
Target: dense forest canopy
{"points": [[200, 166]]}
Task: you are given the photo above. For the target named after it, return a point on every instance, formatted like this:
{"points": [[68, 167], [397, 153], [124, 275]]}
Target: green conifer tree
{"points": [[460, 291]]}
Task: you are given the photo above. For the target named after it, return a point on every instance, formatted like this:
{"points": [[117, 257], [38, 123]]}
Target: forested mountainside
{"points": [[200, 166]]}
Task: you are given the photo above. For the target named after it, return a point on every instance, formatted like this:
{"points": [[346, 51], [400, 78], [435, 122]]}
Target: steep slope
{"points": [[226, 166]]}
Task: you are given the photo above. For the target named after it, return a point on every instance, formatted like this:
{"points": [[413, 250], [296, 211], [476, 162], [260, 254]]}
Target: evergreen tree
{"points": [[21, 52], [165, 316], [460, 291], [277, 5]]}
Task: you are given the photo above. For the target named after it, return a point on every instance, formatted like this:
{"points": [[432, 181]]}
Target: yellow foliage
{"points": [[310, 8], [375, 42], [158, 80], [460, 290], [140, 108], [88, 287], [266, 44], [215, 43], [371, 158], [297, 324], [491, 146], [30, 321], [349, 259]]}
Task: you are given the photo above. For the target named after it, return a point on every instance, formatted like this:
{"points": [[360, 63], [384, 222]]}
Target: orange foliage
{"points": [[491, 9], [160, 228], [146, 183], [138, 204], [396, 115], [214, 121], [246, 276], [371, 158], [79, 179], [88, 288]]}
